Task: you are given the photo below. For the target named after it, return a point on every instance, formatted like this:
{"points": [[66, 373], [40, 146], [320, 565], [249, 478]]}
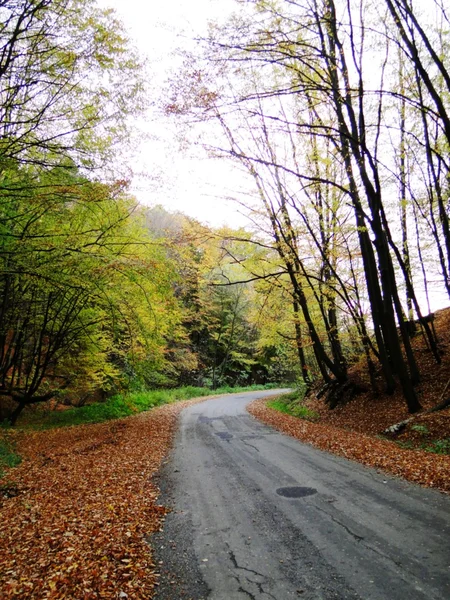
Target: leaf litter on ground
{"points": [[356, 429], [77, 513]]}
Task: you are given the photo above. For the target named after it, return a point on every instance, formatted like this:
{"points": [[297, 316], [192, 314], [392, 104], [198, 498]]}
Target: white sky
{"points": [[175, 178]]}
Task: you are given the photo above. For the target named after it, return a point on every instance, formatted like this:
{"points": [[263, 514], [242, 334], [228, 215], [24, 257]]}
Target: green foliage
{"points": [[292, 404], [8, 456], [95, 303], [439, 446], [85, 294], [69, 81], [436, 446], [124, 405], [296, 396], [420, 428], [224, 316], [96, 298], [88, 296], [280, 406]]}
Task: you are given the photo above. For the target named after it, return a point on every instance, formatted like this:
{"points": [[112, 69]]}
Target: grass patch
{"points": [[279, 405], [420, 428], [123, 405], [292, 404], [296, 396], [439, 446], [435, 447], [8, 457]]}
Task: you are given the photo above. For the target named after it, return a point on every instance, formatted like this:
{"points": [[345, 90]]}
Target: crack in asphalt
{"points": [[236, 565], [398, 563], [250, 445], [250, 595], [357, 537], [259, 584], [263, 591]]}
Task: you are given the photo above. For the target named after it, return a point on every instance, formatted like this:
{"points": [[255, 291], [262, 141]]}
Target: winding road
{"points": [[258, 515]]}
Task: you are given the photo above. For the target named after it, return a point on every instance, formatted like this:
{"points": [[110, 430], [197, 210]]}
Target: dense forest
{"points": [[338, 111]]}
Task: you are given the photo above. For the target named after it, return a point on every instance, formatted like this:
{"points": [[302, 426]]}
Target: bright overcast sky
{"points": [[169, 176]]}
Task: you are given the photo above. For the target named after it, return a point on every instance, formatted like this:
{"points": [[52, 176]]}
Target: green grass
{"points": [[420, 428], [436, 447], [296, 395], [8, 456], [439, 447], [122, 405], [279, 405], [292, 404]]}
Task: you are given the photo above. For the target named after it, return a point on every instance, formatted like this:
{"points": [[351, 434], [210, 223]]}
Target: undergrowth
{"points": [[436, 446], [8, 456], [439, 446], [123, 405], [423, 441], [292, 404]]}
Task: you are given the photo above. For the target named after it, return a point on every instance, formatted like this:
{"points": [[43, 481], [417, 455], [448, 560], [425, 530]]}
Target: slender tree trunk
{"points": [[403, 201], [352, 142], [299, 344]]}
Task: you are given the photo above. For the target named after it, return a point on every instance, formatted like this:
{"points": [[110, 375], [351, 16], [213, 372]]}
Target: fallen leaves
{"points": [[353, 428], [421, 467], [76, 515]]}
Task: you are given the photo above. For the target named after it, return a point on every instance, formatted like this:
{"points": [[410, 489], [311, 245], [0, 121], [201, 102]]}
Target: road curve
{"points": [[257, 514]]}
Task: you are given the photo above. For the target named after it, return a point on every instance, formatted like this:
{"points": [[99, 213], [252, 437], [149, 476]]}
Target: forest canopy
{"points": [[339, 112]]}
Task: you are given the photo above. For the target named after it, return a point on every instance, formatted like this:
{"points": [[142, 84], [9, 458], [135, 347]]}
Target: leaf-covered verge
{"points": [[420, 453], [356, 427], [422, 467], [373, 412], [76, 514]]}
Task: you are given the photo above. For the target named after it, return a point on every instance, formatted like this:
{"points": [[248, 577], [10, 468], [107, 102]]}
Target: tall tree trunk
{"points": [[352, 139], [299, 344], [403, 200]]}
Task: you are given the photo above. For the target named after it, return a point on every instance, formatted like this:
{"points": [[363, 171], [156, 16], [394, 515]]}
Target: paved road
{"points": [[259, 515]]}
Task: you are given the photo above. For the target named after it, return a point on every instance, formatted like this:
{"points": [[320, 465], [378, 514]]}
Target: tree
{"points": [[78, 273], [87, 294], [68, 81], [298, 85]]}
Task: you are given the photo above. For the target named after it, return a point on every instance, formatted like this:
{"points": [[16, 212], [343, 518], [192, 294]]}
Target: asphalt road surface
{"points": [[259, 515]]}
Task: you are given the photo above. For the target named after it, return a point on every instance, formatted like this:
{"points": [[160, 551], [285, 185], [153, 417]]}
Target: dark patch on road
{"points": [[224, 435], [296, 492], [209, 420]]}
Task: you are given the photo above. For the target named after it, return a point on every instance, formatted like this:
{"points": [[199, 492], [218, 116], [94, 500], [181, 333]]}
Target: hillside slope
{"points": [[356, 429]]}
